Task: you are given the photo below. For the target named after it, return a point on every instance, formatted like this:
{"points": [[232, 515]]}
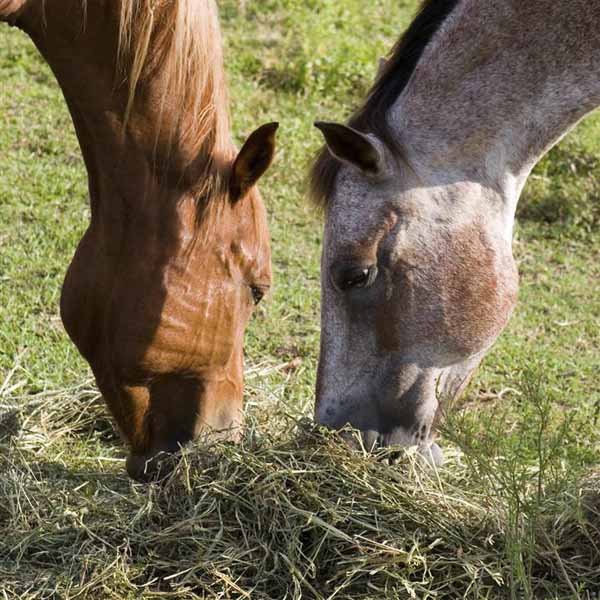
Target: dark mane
{"points": [[372, 116]]}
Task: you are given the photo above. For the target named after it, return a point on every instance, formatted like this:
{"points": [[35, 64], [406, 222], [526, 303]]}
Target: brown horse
{"points": [[420, 190], [164, 281]]}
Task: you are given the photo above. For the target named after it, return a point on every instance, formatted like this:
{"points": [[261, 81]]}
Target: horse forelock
{"points": [[371, 117]]}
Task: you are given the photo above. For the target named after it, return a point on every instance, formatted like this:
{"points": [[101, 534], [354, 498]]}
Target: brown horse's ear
{"points": [[253, 160], [352, 147]]}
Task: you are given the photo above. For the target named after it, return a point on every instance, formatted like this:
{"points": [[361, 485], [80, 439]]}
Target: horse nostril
{"points": [[138, 467], [148, 467], [325, 415]]}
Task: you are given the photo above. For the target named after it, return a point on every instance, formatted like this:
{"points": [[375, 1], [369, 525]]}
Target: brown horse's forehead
{"points": [[252, 246]]}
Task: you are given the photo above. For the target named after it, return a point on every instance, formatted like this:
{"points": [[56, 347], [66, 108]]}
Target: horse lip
{"points": [[150, 466]]}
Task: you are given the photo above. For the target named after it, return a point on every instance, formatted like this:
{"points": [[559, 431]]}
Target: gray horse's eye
{"points": [[348, 278]]}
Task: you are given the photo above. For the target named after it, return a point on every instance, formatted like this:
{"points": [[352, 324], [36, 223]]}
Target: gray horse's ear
{"points": [[352, 147], [253, 160]]}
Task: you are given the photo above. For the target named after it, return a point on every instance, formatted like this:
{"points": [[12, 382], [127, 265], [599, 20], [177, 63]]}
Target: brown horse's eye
{"points": [[355, 277], [258, 293]]}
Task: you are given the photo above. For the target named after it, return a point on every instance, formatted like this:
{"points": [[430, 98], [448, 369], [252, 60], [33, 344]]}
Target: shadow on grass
{"points": [[564, 192], [10, 426]]}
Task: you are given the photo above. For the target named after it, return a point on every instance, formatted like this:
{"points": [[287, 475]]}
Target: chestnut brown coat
{"points": [[164, 281]]}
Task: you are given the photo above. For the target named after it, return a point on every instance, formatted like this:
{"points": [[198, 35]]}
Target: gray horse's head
{"points": [[417, 281]]}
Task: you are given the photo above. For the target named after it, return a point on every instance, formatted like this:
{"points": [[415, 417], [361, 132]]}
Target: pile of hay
{"points": [[282, 515]]}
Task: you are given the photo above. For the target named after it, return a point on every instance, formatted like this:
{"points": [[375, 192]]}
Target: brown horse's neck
{"points": [[164, 151], [499, 84]]}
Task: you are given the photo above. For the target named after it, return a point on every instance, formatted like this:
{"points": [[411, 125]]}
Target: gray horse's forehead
{"points": [[363, 213], [356, 212], [360, 205], [358, 200]]}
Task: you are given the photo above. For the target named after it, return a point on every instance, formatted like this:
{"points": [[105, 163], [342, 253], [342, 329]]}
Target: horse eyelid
{"points": [[354, 278]]}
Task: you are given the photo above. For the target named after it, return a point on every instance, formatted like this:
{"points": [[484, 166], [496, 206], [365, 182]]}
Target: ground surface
{"points": [[290, 514]]}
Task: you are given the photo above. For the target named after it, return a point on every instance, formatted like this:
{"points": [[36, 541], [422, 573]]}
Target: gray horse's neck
{"points": [[499, 84]]}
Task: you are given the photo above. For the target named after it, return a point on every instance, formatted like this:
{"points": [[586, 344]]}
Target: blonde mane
{"points": [[182, 39]]}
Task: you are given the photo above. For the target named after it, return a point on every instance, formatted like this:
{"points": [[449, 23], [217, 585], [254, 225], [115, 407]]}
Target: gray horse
{"points": [[420, 191]]}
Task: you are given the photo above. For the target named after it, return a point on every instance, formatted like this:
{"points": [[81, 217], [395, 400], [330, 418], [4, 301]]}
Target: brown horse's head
{"points": [[177, 253]]}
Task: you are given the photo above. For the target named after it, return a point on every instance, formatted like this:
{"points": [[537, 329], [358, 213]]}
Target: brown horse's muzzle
{"points": [[150, 466], [173, 410]]}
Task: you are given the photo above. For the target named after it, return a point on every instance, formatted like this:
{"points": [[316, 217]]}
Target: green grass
{"points": [[291, 513]]}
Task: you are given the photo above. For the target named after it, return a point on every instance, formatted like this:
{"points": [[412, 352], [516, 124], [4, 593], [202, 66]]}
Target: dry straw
{"points": [[289, 513]]}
